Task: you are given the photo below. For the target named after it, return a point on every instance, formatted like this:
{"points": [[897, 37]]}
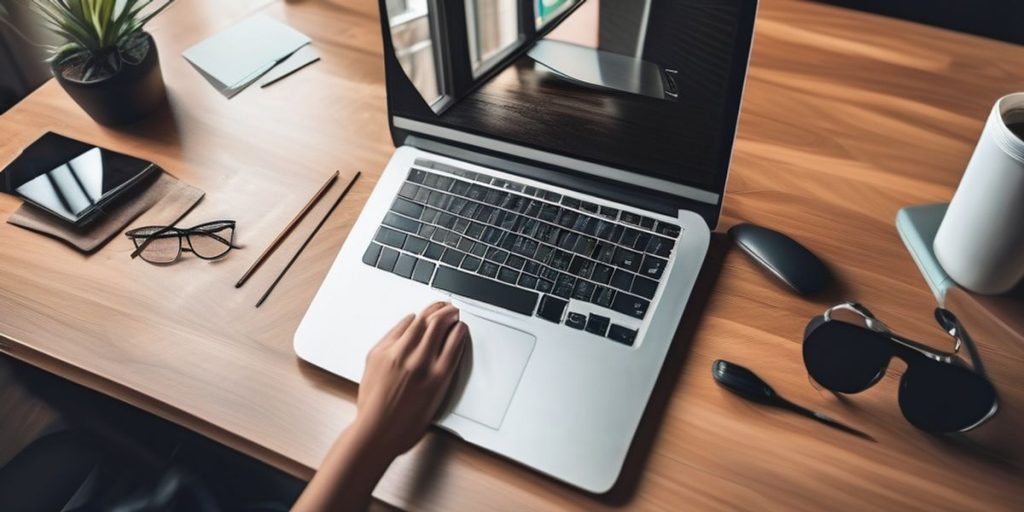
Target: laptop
{"points": [[559, 168]]}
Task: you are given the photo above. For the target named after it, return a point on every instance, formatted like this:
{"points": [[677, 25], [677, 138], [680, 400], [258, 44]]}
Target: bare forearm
{"points": [[347, 475]]}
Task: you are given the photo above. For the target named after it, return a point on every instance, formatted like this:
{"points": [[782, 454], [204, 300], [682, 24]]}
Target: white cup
{"points": [[980, 242]]}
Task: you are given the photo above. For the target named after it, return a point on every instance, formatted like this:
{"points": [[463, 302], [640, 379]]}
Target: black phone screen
{"points": [[72, 179]]}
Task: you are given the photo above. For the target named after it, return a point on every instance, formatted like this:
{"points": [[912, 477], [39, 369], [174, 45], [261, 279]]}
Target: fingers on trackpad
{"points": [[491, 368]]}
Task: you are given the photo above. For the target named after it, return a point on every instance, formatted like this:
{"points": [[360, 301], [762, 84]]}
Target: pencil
{"points": [[287, 230], [308, 239]]}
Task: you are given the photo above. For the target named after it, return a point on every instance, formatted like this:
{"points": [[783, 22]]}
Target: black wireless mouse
{"points": [[784, 257]]}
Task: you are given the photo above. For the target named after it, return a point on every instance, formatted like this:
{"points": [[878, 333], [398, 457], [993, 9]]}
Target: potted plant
{"points": [[105, 61]]}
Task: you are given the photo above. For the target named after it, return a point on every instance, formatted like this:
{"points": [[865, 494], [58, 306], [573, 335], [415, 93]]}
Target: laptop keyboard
{"points": [[522, 248]]}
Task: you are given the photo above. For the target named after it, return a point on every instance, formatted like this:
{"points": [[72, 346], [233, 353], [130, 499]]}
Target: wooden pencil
{"points": [[287, 230], [308, 239]]}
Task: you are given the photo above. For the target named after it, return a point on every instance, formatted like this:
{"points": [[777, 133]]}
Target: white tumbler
{"points": [[980, 242]]}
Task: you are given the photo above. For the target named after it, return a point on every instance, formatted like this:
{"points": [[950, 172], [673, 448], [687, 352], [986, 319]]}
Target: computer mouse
{"points": [[783, 257]]}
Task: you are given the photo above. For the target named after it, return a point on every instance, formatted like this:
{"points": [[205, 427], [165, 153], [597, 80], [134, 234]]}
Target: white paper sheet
{"points": [[234, 58]]}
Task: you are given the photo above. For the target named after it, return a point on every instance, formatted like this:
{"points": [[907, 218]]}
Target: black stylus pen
{"points": [[747, 384]]}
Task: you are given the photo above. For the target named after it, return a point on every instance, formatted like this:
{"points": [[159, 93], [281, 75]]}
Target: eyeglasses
{"points": [[938, 392], [162, 245]]}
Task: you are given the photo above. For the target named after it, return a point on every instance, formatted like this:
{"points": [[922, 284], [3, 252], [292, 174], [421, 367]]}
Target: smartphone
{"points": [[73, 180]]}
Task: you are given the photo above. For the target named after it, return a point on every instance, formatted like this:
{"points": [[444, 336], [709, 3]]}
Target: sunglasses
{"points": [[163, 245], [847, 350]]}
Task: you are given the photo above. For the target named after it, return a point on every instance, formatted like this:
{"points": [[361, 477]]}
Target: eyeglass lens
{"points": [[165, 248], [213, 242]]}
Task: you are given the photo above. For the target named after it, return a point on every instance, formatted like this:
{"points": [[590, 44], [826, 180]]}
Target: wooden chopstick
{"points": [[308, 239], [287, 230]]}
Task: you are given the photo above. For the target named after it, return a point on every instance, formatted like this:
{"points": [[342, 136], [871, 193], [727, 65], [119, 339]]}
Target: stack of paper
{"points": [[235, 58]]}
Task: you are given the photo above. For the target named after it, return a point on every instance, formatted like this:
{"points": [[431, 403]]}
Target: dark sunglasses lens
{"points": [[212, 243], [163, 249], [845, 358], [942, 398]]}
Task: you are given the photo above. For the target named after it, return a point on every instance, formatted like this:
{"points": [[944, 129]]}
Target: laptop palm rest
{"points": [[490, 370]]}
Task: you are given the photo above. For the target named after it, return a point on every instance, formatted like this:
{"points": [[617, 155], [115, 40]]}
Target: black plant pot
{"points": [[135, 91]]}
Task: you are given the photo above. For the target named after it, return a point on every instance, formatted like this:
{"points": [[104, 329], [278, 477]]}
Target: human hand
{"points": [[407, 376]]}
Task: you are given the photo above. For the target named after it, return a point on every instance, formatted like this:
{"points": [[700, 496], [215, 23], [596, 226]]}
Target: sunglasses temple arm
{"points": [[972, 349]]}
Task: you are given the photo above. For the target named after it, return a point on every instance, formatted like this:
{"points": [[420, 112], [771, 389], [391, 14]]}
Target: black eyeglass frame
{"points": [[907, 349], [204, 229]]}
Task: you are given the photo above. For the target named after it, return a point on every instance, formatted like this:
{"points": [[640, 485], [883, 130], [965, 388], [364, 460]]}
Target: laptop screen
{"points": [[648, 86]]}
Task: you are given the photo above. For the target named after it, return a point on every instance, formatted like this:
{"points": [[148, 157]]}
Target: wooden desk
{"points": [[847, 118]]}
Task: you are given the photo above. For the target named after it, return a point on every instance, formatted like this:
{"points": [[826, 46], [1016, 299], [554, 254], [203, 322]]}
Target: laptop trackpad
{"points": [[490, 370]]}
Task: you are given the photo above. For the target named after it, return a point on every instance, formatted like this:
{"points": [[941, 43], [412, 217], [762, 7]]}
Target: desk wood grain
{"points": [[847, 118]]}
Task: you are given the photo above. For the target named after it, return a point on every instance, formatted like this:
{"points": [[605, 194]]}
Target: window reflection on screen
{"points": [[493, 26], [414, 46], [549, 9]]}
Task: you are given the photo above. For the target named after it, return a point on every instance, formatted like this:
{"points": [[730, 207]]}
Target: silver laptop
{"points": [[560, 167]]}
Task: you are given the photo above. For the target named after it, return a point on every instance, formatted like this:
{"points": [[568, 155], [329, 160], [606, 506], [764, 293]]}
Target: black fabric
{"points": [[997, 19], [47, 473]]}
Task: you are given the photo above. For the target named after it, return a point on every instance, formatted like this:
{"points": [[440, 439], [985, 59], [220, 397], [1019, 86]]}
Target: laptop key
{"points": [[415, 245], [630, 305], [401, 223], [444, 182], [660, 246], [471, 263], [602, 273], [434, 251], [603, 296], [485, 290], [622, 280], [630, 218], [652, 267], [388, 257], [589, 207], [554, 197], [669, 230], [604, 252], [515, 262], [416, 175], [459, 188], [478, 250], [390, 237], [408, 190], [564, 286], [545, 286], [423, 271], [508, 275], [527, 281], [629, 237], [531, 267], [609, 212], [407, 208], [641, 242], [372, 254], [439, 235], [575, 320], [496, 255], [622, 335], [489, 269], [647, 223], [583, 290], [627, 259], [551, 308], [644, 287], [597, 324], [404, 265], [571, 202], [452, 257], [549, 212]]}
